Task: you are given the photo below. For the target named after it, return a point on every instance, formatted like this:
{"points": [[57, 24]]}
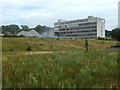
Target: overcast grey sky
{"points": [[46, 12]]}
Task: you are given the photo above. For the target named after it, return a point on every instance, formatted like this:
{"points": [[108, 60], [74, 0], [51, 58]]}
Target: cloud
{"points": [[46, 12]]}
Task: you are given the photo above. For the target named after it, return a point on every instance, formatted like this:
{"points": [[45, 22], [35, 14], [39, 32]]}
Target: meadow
{"points": [[58, 63]]}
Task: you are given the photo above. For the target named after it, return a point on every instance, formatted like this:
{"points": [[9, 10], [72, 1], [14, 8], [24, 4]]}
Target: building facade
{"points": [[119, 14], [91, 27]]}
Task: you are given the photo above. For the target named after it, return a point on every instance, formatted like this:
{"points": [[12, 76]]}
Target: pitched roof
{"points": [[30, 33]]}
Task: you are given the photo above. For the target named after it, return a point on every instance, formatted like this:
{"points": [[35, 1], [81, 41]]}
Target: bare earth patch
{"points": [[40, 52]]}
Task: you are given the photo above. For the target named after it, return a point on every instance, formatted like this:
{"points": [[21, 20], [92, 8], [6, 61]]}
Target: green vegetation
{"points": [[61, 63], [12, 30], [86, 45], [116, 34]]}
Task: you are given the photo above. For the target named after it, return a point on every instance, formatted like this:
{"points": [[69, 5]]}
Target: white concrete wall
{"points": [[103, 29], [100, 25], [100, 28]]}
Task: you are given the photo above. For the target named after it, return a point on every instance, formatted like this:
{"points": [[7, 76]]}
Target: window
{"points": [[65, 26], [79, 24], [94, 23]]}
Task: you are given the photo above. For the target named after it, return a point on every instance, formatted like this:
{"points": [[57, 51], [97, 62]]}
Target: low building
{"points": [[1, 35], [31, 33], [9, 34], [91, 27]]}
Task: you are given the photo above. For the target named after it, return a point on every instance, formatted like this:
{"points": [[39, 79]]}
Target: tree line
{"points": [[14, 29], [114, 34]]}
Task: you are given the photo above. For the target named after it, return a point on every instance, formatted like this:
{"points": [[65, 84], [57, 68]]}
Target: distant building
{"points": [[119, 14], [9, 34], [31, 33], [1, 35], [91, 27]]}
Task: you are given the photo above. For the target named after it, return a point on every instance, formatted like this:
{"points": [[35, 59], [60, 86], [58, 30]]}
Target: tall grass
{"points": [[69, 66]]}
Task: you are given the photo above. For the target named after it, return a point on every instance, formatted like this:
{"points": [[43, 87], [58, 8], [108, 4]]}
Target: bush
{"points": [[29, 48], [11, 50], [99, 38], [116, 34]]}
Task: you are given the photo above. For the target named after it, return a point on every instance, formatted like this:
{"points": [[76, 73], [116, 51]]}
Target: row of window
{"points": [[63, 33], [83, 35], [68, 34], [87, 31], [75, 25], [80, 31], [87, 23], [76, 28]]}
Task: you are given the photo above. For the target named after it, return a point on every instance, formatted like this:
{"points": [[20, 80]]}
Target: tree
{"points": [[116, 34], [40, 29], [14, 29], [108, 33], [25, 27]]}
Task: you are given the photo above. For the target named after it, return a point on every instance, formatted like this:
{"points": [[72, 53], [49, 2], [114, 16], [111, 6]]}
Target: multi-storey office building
{"points": [[119, 14], [91, 27]]}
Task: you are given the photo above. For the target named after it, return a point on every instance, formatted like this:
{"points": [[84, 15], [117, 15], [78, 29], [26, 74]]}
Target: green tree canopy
{"points": [[40, 29], [116, 34], [14, 29], [10, 28], [108, 33], [25, 28]]}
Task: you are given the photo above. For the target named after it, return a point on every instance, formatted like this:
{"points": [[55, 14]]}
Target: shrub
{"points": [[116, 34], [11, 50], [29, 48], [100, 38], [41, 44]]}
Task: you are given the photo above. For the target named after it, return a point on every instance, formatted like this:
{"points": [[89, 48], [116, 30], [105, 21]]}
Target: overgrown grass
{"points": [[68, 66]]}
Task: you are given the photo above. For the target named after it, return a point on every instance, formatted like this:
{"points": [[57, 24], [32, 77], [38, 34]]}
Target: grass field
{"points": [[58, 63]]}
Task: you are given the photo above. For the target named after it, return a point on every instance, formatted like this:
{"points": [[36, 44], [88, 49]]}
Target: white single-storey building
{"points": [[31, 33]]}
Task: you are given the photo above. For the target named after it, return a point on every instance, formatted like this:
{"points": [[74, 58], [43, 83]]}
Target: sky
{"points": [[46, 12]]}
